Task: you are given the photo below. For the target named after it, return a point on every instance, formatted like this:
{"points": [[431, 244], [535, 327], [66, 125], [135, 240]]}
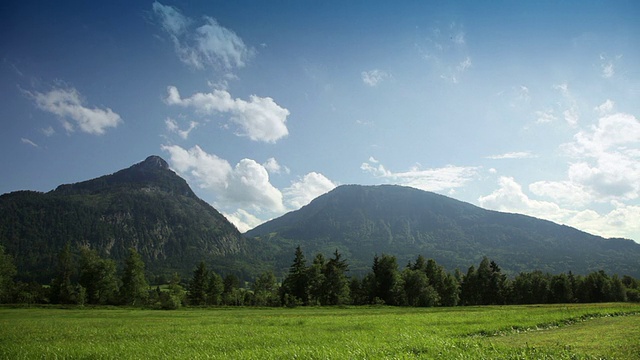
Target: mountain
{"points": [[146, 206], [362, 221]]}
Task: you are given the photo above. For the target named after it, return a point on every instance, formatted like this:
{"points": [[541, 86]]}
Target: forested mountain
{"points": [[362, 221], [147, 207]]}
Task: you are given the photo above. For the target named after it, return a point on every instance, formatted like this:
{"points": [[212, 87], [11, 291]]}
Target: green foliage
{"points": [[265, 290], [215, 288], [134, 290], [98, 277], [62, 289], [7, 273]]}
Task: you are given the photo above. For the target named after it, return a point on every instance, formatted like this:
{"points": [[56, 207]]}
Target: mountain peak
{"points": [[152, 173], [154, 162]]}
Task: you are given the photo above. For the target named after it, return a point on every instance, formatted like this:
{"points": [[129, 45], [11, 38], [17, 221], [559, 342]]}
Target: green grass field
{"points": [[592, 331]]}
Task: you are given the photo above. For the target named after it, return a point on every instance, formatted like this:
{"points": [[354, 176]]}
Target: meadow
{"points": [[576, 331]]}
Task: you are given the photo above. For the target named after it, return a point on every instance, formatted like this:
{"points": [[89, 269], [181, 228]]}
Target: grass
{"points": [[509, 332]]}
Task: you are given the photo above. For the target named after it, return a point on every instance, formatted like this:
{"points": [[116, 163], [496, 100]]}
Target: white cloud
{"points": [[571, 113], [301, 192], [439, 179], [249, 186], [620, 221], [608, 70], [172, 126], [28, 142], [607, 65], [48, 131], [261, 119], [209, 45], [513, 155], [243, 193], [68, 105], [605, 108], [545, 117], [374, 77], [274, 167], [446, 51], [510, 198], [245, 185], [243, 220], [207, 170], [607, 158], [564, 192]]}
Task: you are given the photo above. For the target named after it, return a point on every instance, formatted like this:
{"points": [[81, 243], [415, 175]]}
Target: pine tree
{"points": [[336, 281], [295, 287], [197, 292], [387, 279]]}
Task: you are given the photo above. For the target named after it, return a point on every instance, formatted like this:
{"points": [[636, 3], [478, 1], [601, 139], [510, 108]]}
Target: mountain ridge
{"points": [[362, 221], [146, 206]]}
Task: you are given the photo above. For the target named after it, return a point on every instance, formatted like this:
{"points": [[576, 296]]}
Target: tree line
{"points": [[421, 283]]}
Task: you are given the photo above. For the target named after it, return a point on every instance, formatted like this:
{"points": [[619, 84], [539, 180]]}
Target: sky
{"points": [[526, 107]]}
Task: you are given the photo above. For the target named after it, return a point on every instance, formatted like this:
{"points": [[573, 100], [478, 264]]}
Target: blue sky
{"points": [[528, 107]]}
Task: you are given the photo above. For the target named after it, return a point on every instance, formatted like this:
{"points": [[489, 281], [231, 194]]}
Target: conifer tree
{"points": [[336, 288], [295, 287], [197, 292]]}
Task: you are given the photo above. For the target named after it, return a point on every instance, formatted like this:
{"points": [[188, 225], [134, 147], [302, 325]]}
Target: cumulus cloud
{"points": [[245, 185], [260, 118], [563, 192], [620, 221], [274, 167], [172, 126], [438, 179], [207, 170], [510, 198], [607, 157], [208, 45], [243, 220], [374, 77], [69, 106], [249, 186], [545, 117], [513, 155], [310, 186], [244, 193]]}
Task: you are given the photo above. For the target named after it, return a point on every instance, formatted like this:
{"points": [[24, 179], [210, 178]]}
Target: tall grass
{"points": [[319, 333]]}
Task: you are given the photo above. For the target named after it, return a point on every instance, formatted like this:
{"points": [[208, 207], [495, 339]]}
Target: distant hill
{"points": [[146, 206], [362, 221]]}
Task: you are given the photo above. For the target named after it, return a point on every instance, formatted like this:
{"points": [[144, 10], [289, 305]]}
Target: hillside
{"points": [[146, 206], [362, 221]]}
